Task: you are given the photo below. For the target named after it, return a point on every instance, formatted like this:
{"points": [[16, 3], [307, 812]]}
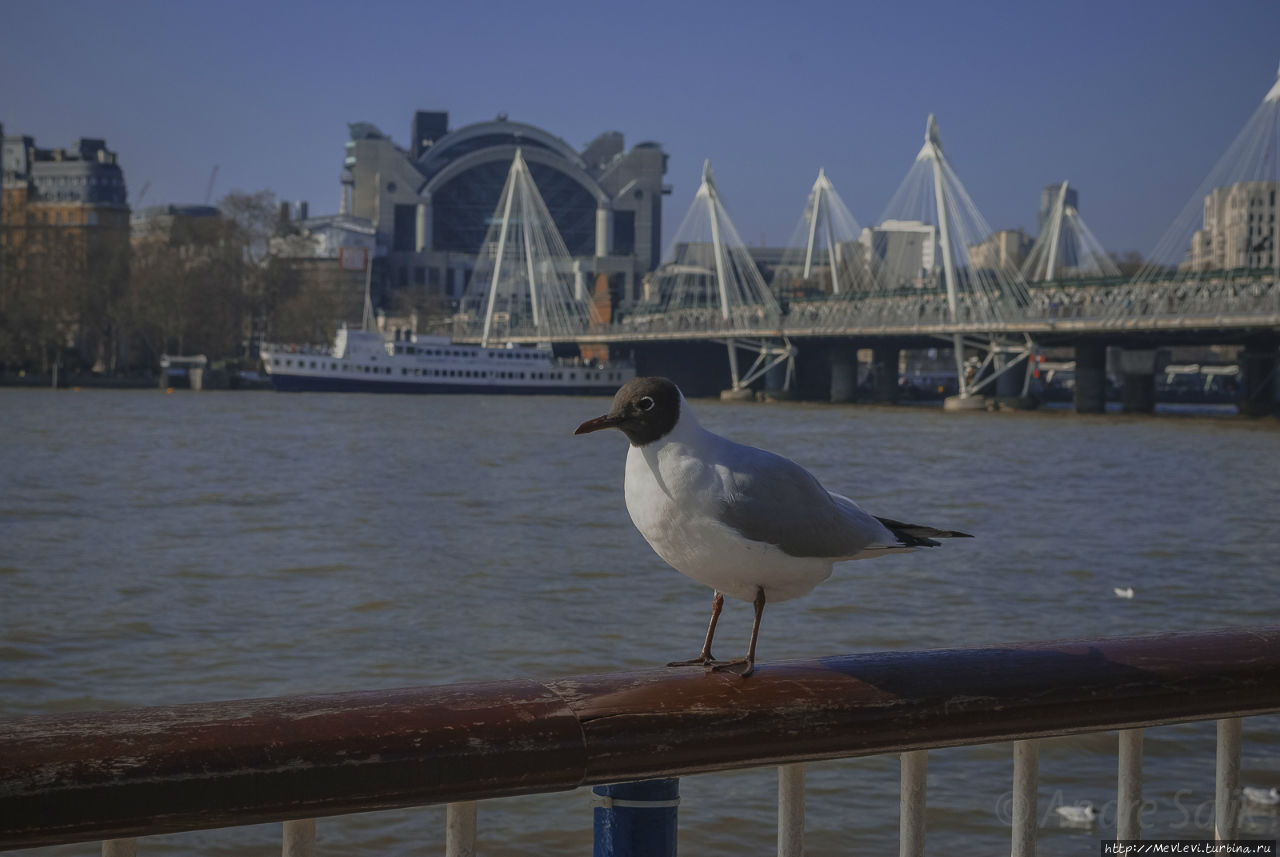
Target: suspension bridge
{"points": [[930, 273]]}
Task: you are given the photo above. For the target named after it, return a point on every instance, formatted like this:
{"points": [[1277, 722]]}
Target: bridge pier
{"points": [[1091, 377], [884, 373], [1260, 362], [775, 385], [1009, 385], [1138, 371], [844, 373]]}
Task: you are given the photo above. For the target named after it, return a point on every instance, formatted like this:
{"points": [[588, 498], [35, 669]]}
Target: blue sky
{"points": [[1132, 101]]}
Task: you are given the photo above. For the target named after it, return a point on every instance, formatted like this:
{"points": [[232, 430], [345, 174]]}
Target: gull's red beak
{"points": [[601, 422]]}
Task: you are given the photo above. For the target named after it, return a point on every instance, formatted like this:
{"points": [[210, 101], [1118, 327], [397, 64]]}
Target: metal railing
{"points": [[122, 774]]}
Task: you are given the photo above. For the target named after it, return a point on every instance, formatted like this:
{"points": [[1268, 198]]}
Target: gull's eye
{"points": [[645, 403]]}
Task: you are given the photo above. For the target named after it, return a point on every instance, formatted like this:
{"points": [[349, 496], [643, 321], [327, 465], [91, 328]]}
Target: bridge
{"points": [[932, 272]]}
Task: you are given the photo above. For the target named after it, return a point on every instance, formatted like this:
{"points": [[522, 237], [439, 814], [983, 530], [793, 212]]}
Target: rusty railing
{"points": [[122, 774]]}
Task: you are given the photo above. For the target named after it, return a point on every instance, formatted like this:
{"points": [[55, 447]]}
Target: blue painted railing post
{"points": [[636, 819]]}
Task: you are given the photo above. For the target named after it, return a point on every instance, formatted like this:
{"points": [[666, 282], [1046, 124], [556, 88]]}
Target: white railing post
{"points": [[120, 848], [1129, 785], [1026, 786], [460, 829], [791, 810], [1227, 780], [911, 802], [299, 838]]}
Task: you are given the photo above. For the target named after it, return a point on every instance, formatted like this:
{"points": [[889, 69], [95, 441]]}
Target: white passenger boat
{"points": [[368, 362]]}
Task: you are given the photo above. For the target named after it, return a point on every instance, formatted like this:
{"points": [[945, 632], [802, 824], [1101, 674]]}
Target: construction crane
{"points": [[137, 200], [208, 190]]}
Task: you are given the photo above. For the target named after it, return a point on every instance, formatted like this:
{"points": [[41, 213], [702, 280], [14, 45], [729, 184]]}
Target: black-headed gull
{"points": [[750, 524]]}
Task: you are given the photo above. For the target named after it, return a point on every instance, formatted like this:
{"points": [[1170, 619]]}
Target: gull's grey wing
{"points": [[772, 499]]}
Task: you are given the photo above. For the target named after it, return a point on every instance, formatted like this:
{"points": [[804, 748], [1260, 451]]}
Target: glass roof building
{"points": [[432, 202]]}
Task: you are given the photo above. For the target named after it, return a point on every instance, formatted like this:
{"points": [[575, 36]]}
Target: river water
{"points": [[178, 548]]}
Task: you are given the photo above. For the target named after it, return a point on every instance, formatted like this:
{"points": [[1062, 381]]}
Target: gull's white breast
{"points": [[675, 498]]}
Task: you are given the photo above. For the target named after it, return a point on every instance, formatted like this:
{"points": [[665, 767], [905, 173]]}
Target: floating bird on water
{"points": [[1265, 797], [1123, 591], [1081, 814], [750, 524]]}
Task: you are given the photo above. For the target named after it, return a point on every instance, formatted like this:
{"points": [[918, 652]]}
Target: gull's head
{"points": [[644, 409]]}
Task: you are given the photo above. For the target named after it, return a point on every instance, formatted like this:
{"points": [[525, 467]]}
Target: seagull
{"points": [[1123, 591], [750, 524], [1264, 797], [1081, 814]]}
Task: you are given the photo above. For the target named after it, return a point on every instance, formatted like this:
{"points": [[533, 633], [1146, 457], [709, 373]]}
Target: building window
{"points": [[624, 233], [406, 219], [419, 275]]}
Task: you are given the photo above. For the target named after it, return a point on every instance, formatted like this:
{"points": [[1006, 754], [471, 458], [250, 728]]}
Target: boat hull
{"points": [[315, 384]]}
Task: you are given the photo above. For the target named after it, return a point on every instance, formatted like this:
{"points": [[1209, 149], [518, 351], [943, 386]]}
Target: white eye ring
{"points": [[645, 403]]}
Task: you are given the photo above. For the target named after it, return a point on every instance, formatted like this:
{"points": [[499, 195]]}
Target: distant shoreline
{"points": [[213, 380]]}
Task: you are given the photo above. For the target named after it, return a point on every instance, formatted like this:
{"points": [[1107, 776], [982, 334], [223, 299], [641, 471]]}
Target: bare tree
{"points": [[1129, 262]]}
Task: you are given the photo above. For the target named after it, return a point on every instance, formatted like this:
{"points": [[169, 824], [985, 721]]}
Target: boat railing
{"points": [[118, 775], [278, 348]]}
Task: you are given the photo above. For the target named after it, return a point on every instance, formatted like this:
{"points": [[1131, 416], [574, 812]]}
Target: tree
{"points": [[40, 294], [1130, 262], [251, 220]]}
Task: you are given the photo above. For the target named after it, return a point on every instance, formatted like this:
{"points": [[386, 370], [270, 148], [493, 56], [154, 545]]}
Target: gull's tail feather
{"points": [[915, 535]]}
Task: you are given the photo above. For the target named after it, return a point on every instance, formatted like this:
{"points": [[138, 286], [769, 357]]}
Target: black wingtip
{"points": [[915, 535]]}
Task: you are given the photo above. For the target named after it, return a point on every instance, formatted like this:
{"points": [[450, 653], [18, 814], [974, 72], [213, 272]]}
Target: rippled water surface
{"points": [[178, 548]]}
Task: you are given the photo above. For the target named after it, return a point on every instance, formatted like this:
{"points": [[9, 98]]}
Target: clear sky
{"points": [[1133, 102]]}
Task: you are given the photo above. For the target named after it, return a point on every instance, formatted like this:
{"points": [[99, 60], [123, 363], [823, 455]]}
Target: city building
{"points": [[76, 196], [903, 252], [1239, 229], [1007, 248], [431, 204], [1049, 198], [64, 243], [329, 256], [191, 229]]}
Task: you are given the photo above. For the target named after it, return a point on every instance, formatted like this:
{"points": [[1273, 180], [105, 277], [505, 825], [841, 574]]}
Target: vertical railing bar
{"points": [[299, 838], [120, 847], [1227, 780], [1026, 786], [460, 829], [1129, 785], [911, 802], [791, 810]]}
